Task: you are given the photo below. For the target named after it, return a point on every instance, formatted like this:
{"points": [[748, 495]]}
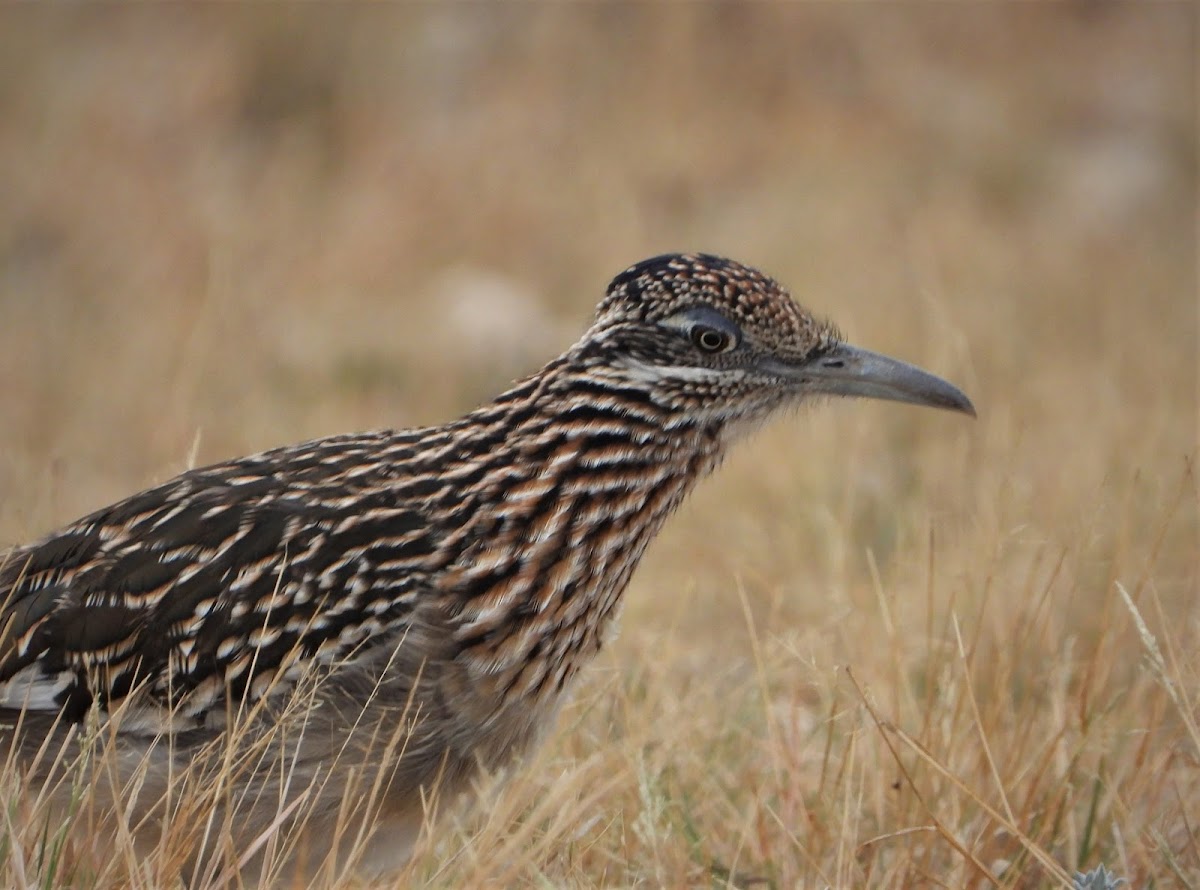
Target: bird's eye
{"points": [[709, 339]]}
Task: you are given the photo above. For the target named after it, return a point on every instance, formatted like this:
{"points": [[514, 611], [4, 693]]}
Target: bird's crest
{"points": [[660, 287]]}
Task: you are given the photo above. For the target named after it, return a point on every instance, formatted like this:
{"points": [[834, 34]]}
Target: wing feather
{"points": [[208, 585]]}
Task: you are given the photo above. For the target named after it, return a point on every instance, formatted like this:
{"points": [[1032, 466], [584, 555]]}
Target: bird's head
{"points": [[713, 338]]}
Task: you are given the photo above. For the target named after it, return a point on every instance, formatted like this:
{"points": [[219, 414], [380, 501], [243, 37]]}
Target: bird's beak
{"points": [[847, 370]]}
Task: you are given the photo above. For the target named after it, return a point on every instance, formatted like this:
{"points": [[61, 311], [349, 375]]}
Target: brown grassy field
{"points": [[883, 647]]}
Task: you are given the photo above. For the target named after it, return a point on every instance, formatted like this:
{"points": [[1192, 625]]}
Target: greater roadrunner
{"points": [[404, 607]]}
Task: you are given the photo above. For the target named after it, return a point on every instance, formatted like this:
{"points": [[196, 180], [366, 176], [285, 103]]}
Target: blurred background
{"points": [[227, 228], [224, 228]]}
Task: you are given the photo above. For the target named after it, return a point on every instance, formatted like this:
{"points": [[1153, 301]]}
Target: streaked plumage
{"points": [[451, 580]]}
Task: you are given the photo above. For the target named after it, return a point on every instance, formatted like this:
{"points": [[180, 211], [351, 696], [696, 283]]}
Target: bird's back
{"points": [[217, 584]]}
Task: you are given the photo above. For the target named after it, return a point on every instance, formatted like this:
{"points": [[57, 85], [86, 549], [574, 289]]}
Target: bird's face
{"points": [[717, 339]]}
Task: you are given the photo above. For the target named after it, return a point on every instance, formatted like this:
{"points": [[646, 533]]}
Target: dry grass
{"points": [[883, 647]]}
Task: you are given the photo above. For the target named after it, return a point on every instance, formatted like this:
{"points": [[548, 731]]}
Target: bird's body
{"points": [[412, 604]]}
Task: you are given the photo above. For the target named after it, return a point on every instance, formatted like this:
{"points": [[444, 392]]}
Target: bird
{"points": [[404, 608]]}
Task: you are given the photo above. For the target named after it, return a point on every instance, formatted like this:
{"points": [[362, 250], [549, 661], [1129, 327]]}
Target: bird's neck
{"points": [[577, 473]]}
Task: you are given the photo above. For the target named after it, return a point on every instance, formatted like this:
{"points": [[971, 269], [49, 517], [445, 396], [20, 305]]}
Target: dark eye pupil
{"points": [[709, 340]]}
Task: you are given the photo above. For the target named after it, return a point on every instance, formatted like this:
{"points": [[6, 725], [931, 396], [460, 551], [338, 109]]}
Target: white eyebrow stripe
{"points": [[649, 373]]}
